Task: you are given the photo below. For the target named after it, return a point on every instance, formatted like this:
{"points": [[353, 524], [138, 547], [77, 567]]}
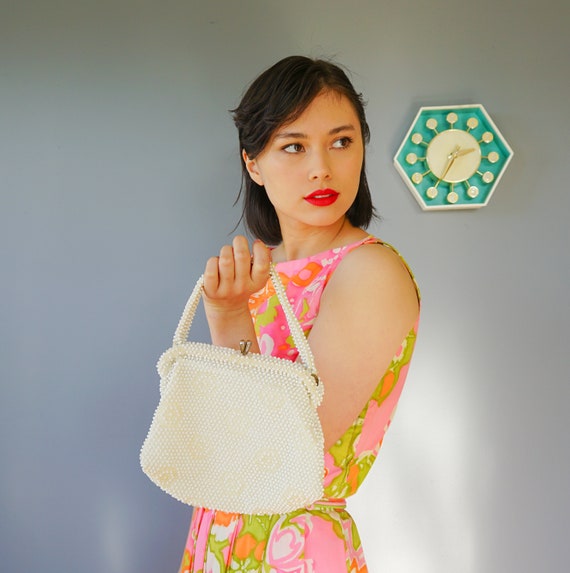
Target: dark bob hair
{"points": [[278, 97]]}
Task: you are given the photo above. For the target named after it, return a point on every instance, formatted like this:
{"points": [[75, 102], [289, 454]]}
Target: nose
{"points": [[320, 168]]}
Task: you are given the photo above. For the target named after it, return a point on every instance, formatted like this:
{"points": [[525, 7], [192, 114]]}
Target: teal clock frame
{"points": [[477, 190]]}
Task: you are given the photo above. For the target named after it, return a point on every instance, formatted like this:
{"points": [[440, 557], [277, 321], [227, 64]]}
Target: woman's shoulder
{"points": [[376, 256], [374, 269]]}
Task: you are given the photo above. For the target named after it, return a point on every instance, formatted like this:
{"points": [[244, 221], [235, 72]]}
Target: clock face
{"points": [[452, 157]]}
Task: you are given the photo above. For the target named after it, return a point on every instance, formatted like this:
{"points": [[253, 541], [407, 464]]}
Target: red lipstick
{"points": [[322, 197]]}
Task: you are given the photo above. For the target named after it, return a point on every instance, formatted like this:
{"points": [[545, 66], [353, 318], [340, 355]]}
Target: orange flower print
{"points": [[352, 477], [244, 545], [355, 568], [186, 562], [225, 519], [307, 274], [387, 383], [259, 549]]}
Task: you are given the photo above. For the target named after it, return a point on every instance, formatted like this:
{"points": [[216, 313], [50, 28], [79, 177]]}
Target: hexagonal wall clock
{"points": [[453, 157]]}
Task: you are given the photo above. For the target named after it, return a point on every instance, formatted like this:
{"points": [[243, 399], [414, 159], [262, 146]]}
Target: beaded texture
{"points": [[268, 457]]}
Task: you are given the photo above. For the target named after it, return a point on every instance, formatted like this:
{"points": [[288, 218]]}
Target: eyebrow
{"points": [[301, 135]]}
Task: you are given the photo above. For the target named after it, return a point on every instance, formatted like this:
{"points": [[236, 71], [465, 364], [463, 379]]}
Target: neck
{"points": [[298, 244]]}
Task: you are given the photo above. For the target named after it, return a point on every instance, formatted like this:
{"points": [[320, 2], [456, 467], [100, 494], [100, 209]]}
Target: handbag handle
{"points": [[301, 343]]}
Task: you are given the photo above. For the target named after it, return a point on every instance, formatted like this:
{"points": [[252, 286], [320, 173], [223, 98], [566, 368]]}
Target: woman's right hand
{"points": [[229, 281]]}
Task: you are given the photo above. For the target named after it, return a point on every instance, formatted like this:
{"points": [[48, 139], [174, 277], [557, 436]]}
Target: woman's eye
{"points": [[293, 148], [342, 142]]}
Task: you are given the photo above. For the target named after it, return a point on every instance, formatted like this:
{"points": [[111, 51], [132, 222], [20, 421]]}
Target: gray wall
{"points": [[118, 169]]}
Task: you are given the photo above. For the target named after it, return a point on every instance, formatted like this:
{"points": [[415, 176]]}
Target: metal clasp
{"points": [[244, 346]]}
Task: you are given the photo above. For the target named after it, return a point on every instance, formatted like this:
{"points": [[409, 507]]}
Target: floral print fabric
{"points": [[321, 538]]}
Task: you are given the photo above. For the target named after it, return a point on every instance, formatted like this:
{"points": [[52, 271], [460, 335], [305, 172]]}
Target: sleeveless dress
{"points": [[321, 538]]}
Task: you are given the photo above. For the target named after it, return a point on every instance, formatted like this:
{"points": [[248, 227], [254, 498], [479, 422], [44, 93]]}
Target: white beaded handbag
{"points": [[234, 431]]}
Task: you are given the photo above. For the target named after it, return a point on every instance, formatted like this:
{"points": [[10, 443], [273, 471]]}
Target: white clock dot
{"points": [[451, 117], [472, 191], [487, 137], [417, 178], [452, 197], [411, 158], [417, 138], [432, 192], [431, 123], [493, 157], [472, 122], [488, 177]]}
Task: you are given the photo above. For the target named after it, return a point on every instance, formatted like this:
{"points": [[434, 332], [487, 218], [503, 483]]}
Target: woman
{"points": [[302, 132]]}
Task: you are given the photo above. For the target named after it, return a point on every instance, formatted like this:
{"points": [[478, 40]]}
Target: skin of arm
{"points": [[367, 309]]}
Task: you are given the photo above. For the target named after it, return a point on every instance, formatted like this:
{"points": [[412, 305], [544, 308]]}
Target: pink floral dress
{"points": [[321, 538]]}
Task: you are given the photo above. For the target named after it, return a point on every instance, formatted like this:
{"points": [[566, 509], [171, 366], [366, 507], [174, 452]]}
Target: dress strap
{"points": [[393, 249]]}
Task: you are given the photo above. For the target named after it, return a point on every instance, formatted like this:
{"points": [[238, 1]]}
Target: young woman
{"points": [[302, 132]]}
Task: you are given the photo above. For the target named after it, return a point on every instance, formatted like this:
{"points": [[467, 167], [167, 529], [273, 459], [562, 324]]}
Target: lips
{"points": [[322, 197]]}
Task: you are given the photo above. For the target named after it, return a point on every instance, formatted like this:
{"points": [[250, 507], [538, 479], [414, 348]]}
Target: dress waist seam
{"points": [[328, 504]]}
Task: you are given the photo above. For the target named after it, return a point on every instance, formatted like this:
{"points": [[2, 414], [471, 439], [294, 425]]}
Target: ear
{"points": [[252, 168]]}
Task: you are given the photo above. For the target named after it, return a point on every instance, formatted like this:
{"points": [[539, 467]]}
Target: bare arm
{"points": [[367, 309]]}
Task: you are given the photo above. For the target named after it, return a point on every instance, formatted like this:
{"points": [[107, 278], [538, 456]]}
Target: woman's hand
{"points": [[229, 281]]}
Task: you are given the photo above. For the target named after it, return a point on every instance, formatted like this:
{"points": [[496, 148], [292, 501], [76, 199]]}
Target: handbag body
{"points": [[234, 431]]}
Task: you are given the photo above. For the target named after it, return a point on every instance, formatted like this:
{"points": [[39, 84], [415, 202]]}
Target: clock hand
{"points": [[450, 160], [461, 152], [457, 152]]}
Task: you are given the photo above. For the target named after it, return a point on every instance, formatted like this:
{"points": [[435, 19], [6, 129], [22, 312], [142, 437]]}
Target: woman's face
{"points": [[311, 167]]}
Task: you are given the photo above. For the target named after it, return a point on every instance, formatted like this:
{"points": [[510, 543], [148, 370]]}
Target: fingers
{"points": [[260, 265], [226, 266], [236, 271], [211, 277], [242, 260]]}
